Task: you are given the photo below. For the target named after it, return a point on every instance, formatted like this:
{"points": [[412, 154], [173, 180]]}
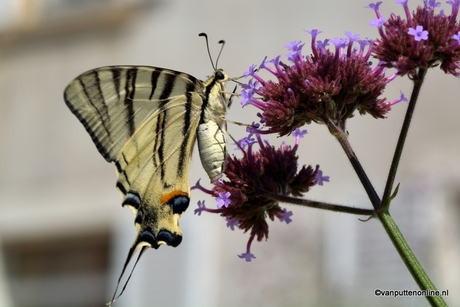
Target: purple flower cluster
{"points": [[423, 39], [248, 196], [325, 86]]}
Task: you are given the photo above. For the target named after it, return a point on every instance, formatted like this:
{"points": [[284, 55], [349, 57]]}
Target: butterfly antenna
{"points": [[207, 47], [222, 42]]}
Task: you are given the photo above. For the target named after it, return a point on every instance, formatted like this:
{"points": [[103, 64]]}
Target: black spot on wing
{"points": [[179, 203], [133, 199], [139, 218], [171, 239]]}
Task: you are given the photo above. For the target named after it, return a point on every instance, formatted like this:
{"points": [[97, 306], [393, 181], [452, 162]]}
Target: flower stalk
{"points": [[418, 82], [342, 137], [320, 205]]}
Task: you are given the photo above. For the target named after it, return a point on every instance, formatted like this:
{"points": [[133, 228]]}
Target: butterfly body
{"points": [[146, 120]]}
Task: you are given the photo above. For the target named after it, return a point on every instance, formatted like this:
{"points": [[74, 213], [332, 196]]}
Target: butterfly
{"points": [[146, 120]]}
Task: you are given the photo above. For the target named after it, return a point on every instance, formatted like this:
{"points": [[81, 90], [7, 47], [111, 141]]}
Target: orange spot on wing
{"points": [[167, 197]]}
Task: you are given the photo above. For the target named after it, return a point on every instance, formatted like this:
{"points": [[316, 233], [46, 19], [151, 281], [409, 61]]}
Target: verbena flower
{"points": [[248, 196], [328, 85], [424, 39]]}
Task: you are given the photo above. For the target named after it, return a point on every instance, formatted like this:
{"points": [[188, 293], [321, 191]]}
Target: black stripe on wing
{"points": [[154, 81], [185, 133], [169, 81], [116, 74], [130, 90], [122, 173]]}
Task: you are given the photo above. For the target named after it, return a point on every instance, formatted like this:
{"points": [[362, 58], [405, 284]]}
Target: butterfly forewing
{"points": [[111, 102]]}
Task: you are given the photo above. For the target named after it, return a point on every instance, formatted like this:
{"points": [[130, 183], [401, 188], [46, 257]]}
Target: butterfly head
{"points": [[220, 75]]}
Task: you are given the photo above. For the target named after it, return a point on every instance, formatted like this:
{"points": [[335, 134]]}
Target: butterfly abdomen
{"points": [[212, 148]]}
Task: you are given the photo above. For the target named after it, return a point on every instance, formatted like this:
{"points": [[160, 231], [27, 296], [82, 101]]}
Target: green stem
{"points": [[418, 81], [319, 205], [396, 237], [409, 258]]}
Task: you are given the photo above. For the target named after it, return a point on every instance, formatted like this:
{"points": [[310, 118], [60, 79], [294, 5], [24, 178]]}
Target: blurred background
{"points": [[64, 235]]}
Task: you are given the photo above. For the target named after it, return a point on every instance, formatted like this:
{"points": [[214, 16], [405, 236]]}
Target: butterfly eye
{"points": [[220, 75]]}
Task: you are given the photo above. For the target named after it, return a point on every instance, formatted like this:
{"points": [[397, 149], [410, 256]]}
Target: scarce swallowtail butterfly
{"points": [[146, 120]]}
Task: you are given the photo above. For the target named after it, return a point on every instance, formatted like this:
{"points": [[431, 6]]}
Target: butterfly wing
{"points": [[144, 119]]}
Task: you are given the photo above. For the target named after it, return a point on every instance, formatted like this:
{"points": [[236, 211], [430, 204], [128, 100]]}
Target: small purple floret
{"points": [[320, 179], [223, 200], [285, 216], [418, 33], [201, 208]]}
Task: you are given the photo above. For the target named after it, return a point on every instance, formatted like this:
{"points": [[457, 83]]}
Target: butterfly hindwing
{"points": [[154, 166]]}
